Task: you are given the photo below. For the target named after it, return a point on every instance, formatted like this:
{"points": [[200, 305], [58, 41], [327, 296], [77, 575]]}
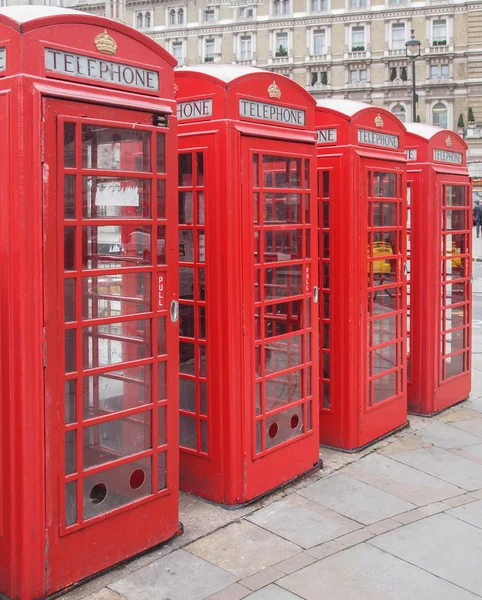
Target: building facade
{"points": [[335, 48]]}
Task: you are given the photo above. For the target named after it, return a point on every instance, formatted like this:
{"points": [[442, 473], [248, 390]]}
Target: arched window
{"points": [[180, 16], [286, 7], [440, 115], [277, 7], [172, 17], [140, 21], [147, 20], [400, 111]]}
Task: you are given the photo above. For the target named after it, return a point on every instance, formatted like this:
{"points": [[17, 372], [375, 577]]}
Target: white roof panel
{"points": [[345, 107], [226, 73], [423, 130], [24, 13]]}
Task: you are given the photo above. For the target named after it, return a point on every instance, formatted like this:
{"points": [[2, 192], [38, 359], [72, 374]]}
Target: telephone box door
{"points": [[111, 365], [385, 406]]}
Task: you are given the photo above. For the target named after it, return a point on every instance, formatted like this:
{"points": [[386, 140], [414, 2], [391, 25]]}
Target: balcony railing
{"points": [[281, 60], [397, 52]]}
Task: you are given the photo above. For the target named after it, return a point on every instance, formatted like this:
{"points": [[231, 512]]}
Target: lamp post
{"points": [[412, 51]]}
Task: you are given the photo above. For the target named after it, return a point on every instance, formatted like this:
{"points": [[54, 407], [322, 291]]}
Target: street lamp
{"points": [[412, 51]]}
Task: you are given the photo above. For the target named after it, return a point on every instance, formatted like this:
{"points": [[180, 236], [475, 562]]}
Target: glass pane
{"points": [[161, 380], [255, 170], [455, 195], [281, 172], [455, 341], [186, 245], [187, 394], [115, 343], [161, 426], [384, 387], [115, 295], [69, 145], [185, 169], [282, 208], [69, 248], [202, 323], [453, 293], [384, 330], [200, 208], [70, 339], [284, 426], [384, 359], [282, 245], [186, 358], [115, 148], [116, 390], [281, 282], [69, 196], [285, 317], [70, 503], [203, 398], [454, 365], [283, 354], [455, 220], [384, 184], [70, 392], [161, 335], [116, 487], [161, 152], [204, 436], [186, 320], [115, 246], [186, 283], [185, 208], [116, 198], [70, 437], [161, 199], [455, 268], [283, 389], [385, 214], [200, 168], [114, 439], [69, 300], [187, 431], [201, 246], [161, 471], [201, 284], [161, 245]]}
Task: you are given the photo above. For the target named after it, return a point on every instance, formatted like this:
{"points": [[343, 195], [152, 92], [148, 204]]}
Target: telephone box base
{"points": [[364, 447]]}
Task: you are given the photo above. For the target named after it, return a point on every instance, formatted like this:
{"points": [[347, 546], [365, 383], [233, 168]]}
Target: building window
{"points": [[176, 17], [46, 3], [180, 16], [358, 3], [398, 73], [281, 7], [400, 111], [177, 51], [246, 48], [140, 21], [147, 20], [358, 76], [172, 17], [319, 5], [281, 44], [209, 50], [440, 115], [209, 15], [398, 36], [358, 39], [439, 32], [438, 72], [319, 78], [319, 42], [245, 12]]}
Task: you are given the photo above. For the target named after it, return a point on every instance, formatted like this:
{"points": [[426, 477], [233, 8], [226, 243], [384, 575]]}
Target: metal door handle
{"points": [[174, 311], [405, 269], [315, 294]]}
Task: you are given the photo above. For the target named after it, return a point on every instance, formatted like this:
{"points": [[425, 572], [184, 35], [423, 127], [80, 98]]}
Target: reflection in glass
{"points": [[200, 168], [283, 389], [116, 198], [185, 169], [161, 152], [284, 317], [115, 246], [281, 282], [70, 391], [70, 503], [161, 198], [69, 248], [186, 283], [454, 220], [282, 245], [281, 172], [384, 185], [455, 195], [114, 295], [70, 353], [385, 214], [70, 454], [115, 149], [200, 208], [187, 431], [282, 208], [186, 245], [69, 145], [69, 196], [454, 365], [283, 354], [283, 426], [185, 208], [186, 358], [69, 300], [384, 387]]}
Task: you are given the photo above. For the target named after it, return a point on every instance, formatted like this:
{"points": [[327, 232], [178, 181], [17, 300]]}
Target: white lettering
{"points": [[3, 59], [270, 112], [448, 157], [98, 69], [377, 138], [411, 153], [195, 109], [326, 136]]}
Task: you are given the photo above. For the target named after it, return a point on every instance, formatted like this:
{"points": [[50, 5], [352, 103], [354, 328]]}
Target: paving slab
{"points": [[295, 563], [445, 465], [105, 594], [272, 592], [470, 513], [446, 436], [442, 545], [262, 578], [473, 453], [243, 548], [177, 576], [401, 480], [355, 499], [475, 403], [232, 592], [366, 573], [472, 426], [403, 444], [458, 413], [302, 521]]}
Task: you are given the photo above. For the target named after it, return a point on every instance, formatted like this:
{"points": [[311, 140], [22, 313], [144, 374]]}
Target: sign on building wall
{"points": [[98, 69], [271, 112], [447, 156], [378, 138]]}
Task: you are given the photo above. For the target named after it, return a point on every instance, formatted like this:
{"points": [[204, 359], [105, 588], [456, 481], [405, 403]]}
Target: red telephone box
{"points": [[247, 252], [89, 357], [361, 184], [439, 199]]}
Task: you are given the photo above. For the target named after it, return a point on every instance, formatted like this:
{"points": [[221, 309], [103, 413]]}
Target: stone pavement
{"points": [[400, 520]]}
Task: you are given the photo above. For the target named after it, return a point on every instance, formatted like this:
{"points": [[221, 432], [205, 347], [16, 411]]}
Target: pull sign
{"points": [[307, 280], [315, 294], [174, 311], [161, 296]]}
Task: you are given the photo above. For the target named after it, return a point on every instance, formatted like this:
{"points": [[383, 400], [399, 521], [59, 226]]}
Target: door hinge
{"points": [[44, 347]]}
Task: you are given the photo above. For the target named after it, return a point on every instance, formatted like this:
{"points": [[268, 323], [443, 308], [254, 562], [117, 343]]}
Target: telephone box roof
{"points": [[344, 107], [226, 73], [24, 13], [423, 130]]}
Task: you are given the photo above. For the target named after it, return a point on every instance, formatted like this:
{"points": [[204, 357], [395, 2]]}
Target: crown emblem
{"points": [[274, 91], [448, 142], [105, 43], [378, 121]]}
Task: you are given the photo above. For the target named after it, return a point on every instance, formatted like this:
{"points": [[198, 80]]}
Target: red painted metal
{"points": [[440, 253], [248, 400], [361, 170], [83, 349]]}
